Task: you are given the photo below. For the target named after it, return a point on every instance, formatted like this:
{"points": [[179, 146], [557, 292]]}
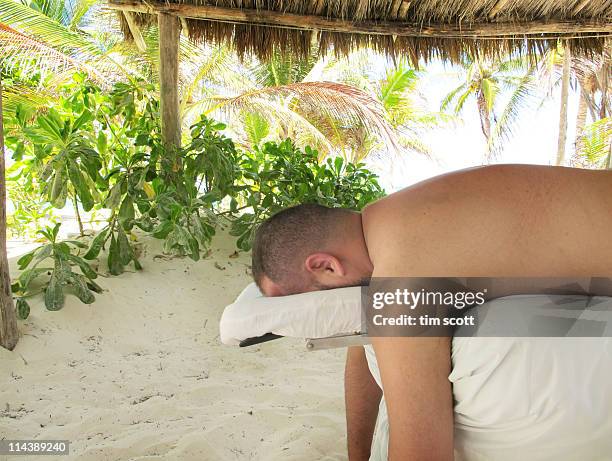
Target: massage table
{"points": [[516, 396]]}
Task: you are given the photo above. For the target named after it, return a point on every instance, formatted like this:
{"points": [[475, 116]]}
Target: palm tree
{"points": [[484, 81], [595, 146], [405, 108], [591, 78], [565, 84], [8, 321]]}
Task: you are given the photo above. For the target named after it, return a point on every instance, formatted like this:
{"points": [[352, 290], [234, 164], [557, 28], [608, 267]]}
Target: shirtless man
{"points": [[497, 221]]}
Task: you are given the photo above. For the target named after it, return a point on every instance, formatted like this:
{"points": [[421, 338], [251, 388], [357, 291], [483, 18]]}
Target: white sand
{"points": [[141, 375]]}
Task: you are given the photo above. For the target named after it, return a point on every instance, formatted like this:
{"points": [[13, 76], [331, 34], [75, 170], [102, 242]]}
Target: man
{"points": [[497, 221]]}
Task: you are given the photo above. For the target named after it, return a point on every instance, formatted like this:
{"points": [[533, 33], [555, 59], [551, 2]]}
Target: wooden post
{"points": [[9, 334], [169, 35]]}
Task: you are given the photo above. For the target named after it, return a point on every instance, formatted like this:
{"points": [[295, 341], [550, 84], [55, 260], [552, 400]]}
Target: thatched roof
{"points": [[413, 28]]}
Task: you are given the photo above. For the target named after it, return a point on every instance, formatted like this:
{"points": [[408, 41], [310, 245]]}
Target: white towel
{"points": [[532, 399]]}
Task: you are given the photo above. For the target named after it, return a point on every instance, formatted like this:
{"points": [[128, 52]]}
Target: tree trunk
{"points": [[565, 81], [485, 116], [9, 334], [581, 117]]}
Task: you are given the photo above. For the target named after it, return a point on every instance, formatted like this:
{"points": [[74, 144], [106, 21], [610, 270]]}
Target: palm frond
{"points": [[20, 49], [462, 99], [394, 87], [596, 145], [209, 66], [35, 24], [76, 12], [520, 97], [284, 69], [341, 102], [33, 99], [277, 113], [490, 90], [414, 144], [450, 97], [256, 127]]}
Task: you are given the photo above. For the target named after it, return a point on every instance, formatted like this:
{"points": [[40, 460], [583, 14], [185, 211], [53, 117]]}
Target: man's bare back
{"points": [[502, 221], [507, 220]]}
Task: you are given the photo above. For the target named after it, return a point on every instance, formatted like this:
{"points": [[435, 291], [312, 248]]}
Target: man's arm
{"points": [[362, 397], [418, 395]]}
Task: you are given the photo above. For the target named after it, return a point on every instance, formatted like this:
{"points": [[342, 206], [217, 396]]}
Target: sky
{"points": [[462, 146]]}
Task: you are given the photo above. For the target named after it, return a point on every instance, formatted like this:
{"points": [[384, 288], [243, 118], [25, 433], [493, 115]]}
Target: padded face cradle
{"points": [[316, 314]]}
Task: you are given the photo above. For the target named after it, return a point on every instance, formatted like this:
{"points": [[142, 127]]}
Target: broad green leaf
{"points": [[163, 229], [81, 186], [127, 213], [114, 258], [79, 283], [61, 249], [84, 118], [244, 241], [58, 191], [96, 245], [93, 286], [114, 196], [194, 248], [25, 260], [77, 243], [125, 249], [102, 143], [43, 253], [84, 266], [54, 294], [23, 308], [26, 277]]}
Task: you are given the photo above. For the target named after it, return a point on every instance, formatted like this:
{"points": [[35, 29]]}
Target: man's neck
{"points": [[354, 245]]}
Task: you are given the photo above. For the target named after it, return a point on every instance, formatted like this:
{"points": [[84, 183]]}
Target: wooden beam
{"points": [[169, 35], [399, 28], [184, 24], [9, 334], [135, 30]]}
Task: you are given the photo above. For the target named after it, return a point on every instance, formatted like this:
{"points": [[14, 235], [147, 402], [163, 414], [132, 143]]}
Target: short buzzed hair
{"points": [[284, 240]]}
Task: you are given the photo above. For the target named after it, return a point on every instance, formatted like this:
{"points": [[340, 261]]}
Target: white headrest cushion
{"points": [[316, 314]]}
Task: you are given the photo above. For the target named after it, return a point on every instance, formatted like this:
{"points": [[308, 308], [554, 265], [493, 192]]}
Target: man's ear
{"points": [[324, 264]]}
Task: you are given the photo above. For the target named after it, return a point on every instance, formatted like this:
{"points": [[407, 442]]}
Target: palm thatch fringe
{"points": [[263, 40]]}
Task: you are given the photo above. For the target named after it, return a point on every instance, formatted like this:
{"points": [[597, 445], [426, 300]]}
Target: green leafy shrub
{"points": [[61, 258], [182, 211], [103, 152], [277, 176]]}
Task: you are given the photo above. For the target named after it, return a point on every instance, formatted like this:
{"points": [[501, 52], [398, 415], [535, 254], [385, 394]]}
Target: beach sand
{"points": [[140, 374]]}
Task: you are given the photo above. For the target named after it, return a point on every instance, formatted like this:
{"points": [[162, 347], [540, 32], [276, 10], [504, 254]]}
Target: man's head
{"points": [[310, 247]]}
